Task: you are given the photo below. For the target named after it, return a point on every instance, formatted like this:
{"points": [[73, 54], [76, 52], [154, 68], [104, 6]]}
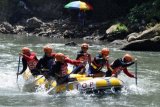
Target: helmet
{"points": [[84, 45], [47, 49], [105, 51], [127, 58], [25, 50], [59, 56]]}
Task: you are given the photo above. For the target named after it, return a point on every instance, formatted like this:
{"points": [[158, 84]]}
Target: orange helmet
{"points": [[84, 45], [47, 49], [127, 58], [59, 56], [105, 51], [26, 50]]}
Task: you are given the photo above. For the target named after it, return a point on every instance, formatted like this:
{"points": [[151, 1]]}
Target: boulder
{"points": [[152, 44], [147, 34], [33, 23], [19, 28], [6, 27], [68, 34], [117, 31], [71, 44], [132, 36], [118, 43]]}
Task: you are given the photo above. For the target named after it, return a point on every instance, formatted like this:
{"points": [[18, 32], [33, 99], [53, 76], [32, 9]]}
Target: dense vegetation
{"points": [[133, 10]]}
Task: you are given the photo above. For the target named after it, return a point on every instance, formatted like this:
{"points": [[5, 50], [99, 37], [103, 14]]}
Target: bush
{"points": [[121, 28], [146, 11]]}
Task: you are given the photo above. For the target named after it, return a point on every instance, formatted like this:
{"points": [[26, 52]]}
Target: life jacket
{"points": [[82, 56], [98, 62], [117, 70], [59, 69], [31, 62]]}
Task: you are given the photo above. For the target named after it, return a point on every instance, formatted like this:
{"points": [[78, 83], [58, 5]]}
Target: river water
{"points": [[147, 93]]}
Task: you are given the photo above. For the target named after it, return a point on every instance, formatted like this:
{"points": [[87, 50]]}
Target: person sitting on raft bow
{"points": [[45, 63], [119, 65], [83, 55], [29, 59], [98, 63], [60, 68]]}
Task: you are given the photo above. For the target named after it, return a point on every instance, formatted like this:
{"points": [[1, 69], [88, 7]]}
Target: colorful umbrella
{"points": [[78, 5]]}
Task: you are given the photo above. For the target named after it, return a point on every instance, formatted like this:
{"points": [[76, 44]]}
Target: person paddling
{"points": [[98, 63], [60, 68], [84, 56], [45, 63], [29, 59], [121, 64]]}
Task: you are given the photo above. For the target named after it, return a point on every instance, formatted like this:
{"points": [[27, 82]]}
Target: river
{"points": [[147, 93]]}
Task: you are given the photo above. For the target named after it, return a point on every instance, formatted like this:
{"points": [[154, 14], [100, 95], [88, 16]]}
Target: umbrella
{"points": [[78, 5]]}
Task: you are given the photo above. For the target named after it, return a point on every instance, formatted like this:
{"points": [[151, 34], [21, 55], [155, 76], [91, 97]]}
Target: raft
{"points": [[83, 83]]}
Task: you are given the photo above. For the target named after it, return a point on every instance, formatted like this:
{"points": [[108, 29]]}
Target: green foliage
{"points": [[121, 28], [146, 11]]}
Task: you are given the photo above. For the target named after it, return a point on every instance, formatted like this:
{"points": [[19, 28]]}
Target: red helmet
{"points": [[84, 45], [59, 57], [47, 49], [105, 51], [127, 58], [26, 50]]}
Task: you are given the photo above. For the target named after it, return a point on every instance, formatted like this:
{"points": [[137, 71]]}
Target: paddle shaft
{"points": [[136, 72], [18, 67]]}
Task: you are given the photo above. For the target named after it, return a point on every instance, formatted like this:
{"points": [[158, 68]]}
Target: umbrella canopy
{"points": [[78, 5]]}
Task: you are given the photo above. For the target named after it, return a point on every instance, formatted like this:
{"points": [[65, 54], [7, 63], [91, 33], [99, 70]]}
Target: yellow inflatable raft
{"points": [[83, 83]]}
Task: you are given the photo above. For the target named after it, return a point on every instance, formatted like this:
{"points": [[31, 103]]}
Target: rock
{"points": [[71, 44], [118, 42], [100, 37], [132, 37], [116, 35], [88, 38], [19, 28], [33, 23], [152, 44], [148, 34], [68, 34], [117, 28], [6, 28], [117, 31], [112, 29]]}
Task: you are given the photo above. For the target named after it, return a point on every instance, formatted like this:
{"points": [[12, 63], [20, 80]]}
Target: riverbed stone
{"points": [[152, 44], [33, 23]]}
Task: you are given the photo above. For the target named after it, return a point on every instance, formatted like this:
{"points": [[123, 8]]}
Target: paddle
{"points": [[18, 71], [18, 67], [136, 71]]}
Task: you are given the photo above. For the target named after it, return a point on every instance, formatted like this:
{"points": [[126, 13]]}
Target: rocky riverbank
{"points": [[116, 34], [128, 24]]}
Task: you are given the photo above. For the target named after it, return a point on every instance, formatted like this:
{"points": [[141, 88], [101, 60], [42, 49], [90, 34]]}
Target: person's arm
{"points": [[32, 56], [126, 64], [89, 59], [128, 73], [73, 62], [24, 63]]}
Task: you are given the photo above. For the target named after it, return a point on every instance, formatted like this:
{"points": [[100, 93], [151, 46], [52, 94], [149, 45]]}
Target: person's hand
{"points": [[90, 75], [21, 54], [107, 58], [135, 60], [113, 75]]}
